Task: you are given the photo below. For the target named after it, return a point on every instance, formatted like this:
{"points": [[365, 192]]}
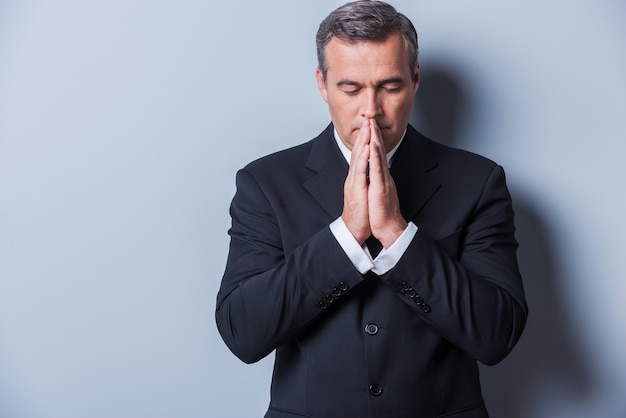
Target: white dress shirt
{"points": [[360, 255]]}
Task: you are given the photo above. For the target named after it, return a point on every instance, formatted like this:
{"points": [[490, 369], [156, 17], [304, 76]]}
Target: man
{"points": [[358, 332]]}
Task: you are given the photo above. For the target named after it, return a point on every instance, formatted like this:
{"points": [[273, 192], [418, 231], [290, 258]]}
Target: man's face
{"points": [[369, 80]]}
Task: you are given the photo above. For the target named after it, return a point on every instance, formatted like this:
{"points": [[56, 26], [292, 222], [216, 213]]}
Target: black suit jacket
{"points": [[404, 344]]}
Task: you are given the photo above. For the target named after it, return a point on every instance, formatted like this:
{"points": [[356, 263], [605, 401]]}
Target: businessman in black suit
{"points": [[380, 265]]}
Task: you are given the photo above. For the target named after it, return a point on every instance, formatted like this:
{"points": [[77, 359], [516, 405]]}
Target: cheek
{"points": [[342, 108], [402, 106]]}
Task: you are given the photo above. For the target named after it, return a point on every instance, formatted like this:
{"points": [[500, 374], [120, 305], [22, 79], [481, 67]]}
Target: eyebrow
{"points": [[390, 80], [347, 83]]}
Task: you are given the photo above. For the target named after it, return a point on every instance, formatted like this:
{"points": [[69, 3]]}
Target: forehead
{"points": [[367, 58]]}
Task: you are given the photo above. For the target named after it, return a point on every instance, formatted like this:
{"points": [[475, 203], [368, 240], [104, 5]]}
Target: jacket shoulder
{"points": [[433, 151], [278, 159], [454, 156], [290, 161]]}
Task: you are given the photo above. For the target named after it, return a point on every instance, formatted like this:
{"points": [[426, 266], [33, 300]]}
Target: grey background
{"points": [[122, 124]]}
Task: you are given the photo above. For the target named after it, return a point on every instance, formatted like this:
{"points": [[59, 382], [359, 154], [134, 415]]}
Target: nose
{"points": [[371, 106]]}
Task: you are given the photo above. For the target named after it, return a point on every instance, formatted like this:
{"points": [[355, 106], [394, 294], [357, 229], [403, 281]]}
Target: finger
{"points": [[377, 155], [355, 188], [377, 141], [375, 167], [360, 151], [375, 131], [362, 138]]}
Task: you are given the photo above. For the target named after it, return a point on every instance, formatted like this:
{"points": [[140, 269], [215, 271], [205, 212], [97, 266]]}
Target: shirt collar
{"points": [[347, 153]]}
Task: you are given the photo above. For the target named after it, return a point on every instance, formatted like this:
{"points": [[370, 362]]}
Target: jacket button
{"points": [[426, 308], [329, 298], [343, 286], [419, 300], [337, 292], [323, 304], [376, 390], [371, 329]]}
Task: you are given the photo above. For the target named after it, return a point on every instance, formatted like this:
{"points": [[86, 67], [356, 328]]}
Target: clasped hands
{"points": [[370, 203]]}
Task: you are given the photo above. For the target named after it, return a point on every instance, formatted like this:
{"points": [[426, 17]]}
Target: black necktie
{"points": [[373, 245]]}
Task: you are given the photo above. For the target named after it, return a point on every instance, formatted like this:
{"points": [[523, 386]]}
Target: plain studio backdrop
{"points": [[122, 124]]}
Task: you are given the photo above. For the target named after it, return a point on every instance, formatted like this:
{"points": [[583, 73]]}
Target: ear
{"points": [[416, 78], [321, 84]]}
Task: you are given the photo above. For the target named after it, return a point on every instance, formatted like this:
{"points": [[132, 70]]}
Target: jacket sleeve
{"points": [[467, 286], [267, 296]]}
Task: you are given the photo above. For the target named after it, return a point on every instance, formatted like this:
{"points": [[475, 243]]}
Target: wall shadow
{"points": [[547, 356]]}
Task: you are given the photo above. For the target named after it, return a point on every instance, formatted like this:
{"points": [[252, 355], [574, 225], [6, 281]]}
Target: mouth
{"points": [[384, 127]]}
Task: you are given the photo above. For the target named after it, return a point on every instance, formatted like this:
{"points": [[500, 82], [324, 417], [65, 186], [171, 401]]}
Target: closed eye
{"points": [[392, 87], [351, 88], [351, 92]]}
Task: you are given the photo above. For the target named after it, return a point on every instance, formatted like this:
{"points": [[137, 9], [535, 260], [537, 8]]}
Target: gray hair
{"points": [[365, 20]]}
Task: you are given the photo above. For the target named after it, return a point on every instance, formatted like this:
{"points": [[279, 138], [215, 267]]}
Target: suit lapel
{"points": [[331, 170], [413, 171]]}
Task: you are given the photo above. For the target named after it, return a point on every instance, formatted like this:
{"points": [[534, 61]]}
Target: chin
{"points": [[390, 142]]}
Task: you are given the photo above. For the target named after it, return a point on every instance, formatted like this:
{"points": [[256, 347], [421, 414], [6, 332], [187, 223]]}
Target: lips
{"points": [[379, 127], [382, 126]]}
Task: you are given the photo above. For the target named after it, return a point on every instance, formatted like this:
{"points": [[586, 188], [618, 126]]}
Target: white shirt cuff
{"points": [[361, 260], [389, 257], [360, 256]]}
